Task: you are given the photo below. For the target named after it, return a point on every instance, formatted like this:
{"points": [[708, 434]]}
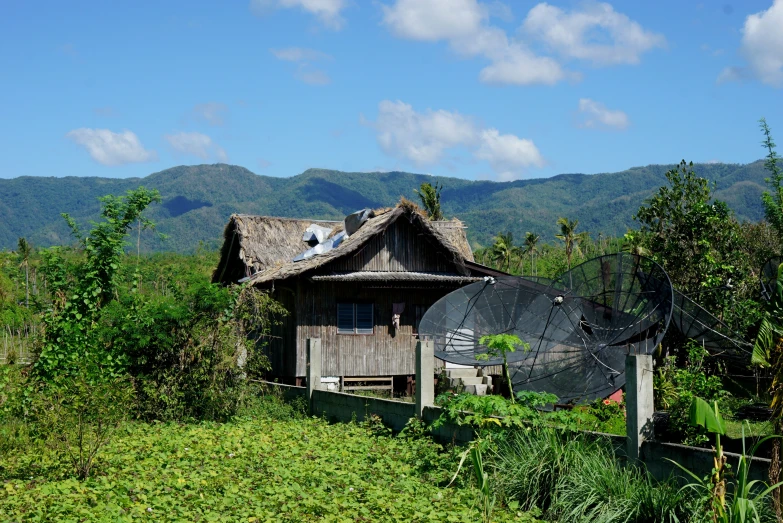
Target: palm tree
{"points": [[531, 242], [24, 250], [570, 238], [504, 249], [430, 199]]}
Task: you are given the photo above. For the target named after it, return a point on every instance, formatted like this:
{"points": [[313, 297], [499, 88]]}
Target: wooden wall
{"points": [[387, 352], [400, 248]]}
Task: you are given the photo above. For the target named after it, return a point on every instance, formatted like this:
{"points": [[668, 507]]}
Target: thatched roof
{"points": [[376, 225], [263, 247], [254, 243], [454, 230]]}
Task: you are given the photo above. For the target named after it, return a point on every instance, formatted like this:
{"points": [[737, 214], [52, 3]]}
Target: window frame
{"points": [[355, 330]]}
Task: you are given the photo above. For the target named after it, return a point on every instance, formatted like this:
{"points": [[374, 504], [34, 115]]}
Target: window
{"points": [[354, 318]]}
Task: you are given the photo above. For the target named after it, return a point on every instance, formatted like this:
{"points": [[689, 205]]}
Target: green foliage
{"points": [[80, 291], [577, 479], [196, 200], [693, 237], [727, 501], [498, 346], [430, 199], [77, 417], [773, 202], [252, 469], [675, 387], [504, 250], [570, 238]]}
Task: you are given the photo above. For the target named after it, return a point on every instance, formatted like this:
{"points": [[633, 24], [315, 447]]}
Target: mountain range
{"points": [[198, 200]]}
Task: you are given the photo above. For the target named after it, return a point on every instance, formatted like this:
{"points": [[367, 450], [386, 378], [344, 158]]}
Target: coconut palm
{"points": [[430, 199], [570, 238], [531, 246], [24, 250], [503, 250]]}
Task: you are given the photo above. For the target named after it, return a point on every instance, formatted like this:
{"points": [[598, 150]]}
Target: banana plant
{"points": [[745, 496], [768, 353]]}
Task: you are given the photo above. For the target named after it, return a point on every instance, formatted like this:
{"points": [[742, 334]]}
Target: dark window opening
{"points": [[355, 318]]}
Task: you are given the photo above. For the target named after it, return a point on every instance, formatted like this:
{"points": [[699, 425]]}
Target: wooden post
{"points": [[425, 376], [313, 369], [639, 405]]}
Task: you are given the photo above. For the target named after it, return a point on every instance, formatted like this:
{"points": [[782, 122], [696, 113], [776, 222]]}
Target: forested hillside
{"points": [[197, 200]]}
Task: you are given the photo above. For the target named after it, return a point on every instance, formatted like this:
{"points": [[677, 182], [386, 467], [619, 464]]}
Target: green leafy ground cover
{"points": [[253, 469]]}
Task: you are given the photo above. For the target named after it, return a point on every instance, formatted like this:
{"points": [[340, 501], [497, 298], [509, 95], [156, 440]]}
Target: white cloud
{"points": [[110, 148], [424, 137], [299, 54], [420, 137], [762, 48], [434, 19], [213, 113], [596, 33], [596, 114], [508, 154], [196, 144], [518, 66], [327, 11], [464, 24]]}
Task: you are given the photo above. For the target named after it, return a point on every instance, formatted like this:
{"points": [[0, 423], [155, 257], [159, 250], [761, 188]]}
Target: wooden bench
{"points": [[381, 383]]}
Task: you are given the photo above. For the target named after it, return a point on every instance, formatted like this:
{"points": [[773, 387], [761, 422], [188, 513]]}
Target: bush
{"points": [[76, 417]]}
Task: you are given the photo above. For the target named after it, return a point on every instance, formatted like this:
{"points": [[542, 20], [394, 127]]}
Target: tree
{"points": [[69, 344], [503, 250], [773, 202], [24, 250], [570, 238], [430, 200], [696, 239], [498, 346], [531, 243]]}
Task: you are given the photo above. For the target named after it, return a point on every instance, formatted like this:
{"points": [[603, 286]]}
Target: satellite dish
{"points": [[696, 323], [579, 326]]}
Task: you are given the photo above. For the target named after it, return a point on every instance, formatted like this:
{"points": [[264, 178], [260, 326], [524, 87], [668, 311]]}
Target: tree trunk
{"points": [[27, 286]]}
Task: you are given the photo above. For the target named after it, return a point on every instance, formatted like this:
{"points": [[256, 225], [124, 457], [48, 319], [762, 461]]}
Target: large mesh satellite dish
{"points": [[579, 326], [696, 323]]}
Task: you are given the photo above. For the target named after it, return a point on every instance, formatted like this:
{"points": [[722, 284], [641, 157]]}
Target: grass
{"points": [[577, 479], [268, 466]]}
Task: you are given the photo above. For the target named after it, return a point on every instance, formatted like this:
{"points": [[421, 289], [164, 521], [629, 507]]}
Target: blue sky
{"points": [[493, 90]]}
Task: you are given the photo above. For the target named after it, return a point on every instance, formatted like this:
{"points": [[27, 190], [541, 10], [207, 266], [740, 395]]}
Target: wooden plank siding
{"points": [[385, 352], [313, 307], [401, 247]]}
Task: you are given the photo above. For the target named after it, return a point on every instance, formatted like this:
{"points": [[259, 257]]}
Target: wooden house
{"points": [[398, 262]]}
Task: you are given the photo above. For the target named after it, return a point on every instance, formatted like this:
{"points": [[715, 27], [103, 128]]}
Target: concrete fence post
{"points": [[639, 405], [313, 369], [425, 376]]}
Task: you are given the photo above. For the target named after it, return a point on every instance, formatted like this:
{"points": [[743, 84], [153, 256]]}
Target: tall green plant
{"points": [[773, 201], [80, 291], [430, 199], [498, 346], [504, 250], [570, 238], [735, 501], [24, 251], [531, 247]]}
